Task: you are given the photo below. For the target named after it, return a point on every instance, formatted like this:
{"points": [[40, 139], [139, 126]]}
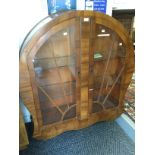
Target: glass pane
{"points": [[109, 56], [55, 71]]}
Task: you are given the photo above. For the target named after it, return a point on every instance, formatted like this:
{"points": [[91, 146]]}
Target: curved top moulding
{"points": [[48, 22]]}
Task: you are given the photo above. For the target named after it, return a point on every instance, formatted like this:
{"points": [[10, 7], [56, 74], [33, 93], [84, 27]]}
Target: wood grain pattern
{"points": [[23, 138], [58, 60]]}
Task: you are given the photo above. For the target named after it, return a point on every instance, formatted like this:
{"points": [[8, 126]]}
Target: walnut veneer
{"points": [[75, 68]]}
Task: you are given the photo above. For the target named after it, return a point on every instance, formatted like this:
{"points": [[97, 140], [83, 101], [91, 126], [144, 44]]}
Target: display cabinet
{"points": [[75, 68]]}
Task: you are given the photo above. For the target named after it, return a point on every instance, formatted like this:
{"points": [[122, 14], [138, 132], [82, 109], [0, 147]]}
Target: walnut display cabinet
{"points": [[75, 68]]}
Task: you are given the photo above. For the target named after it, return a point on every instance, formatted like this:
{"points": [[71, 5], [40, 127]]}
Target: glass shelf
{"points": [[57, 102], [99, 56], [53, 62], [56, 75], [99, 106], [68, 56], [55, 91]]}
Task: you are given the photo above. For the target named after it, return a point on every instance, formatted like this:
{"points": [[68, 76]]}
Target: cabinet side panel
{"points": [[26, 93]]}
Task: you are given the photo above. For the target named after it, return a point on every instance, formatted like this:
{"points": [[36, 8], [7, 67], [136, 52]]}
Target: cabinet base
{"points": [[50, 131]]}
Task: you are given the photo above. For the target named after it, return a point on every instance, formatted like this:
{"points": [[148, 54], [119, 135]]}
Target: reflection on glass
{"points": [[54, 66], [109, 56]]}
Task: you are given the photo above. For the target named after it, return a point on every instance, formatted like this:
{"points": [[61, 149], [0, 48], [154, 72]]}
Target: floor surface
{"points": [[103, 138]]}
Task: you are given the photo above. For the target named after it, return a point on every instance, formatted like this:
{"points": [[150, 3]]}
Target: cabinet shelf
{"points": [[49, 63], [99, 56], [55, 57], [67, 100], [65, 83], [105, 87], [55, 76], [56, 91], [99, 106]]}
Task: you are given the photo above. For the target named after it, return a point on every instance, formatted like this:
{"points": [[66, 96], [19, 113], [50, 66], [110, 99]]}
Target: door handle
{"points": [[91, 69]]}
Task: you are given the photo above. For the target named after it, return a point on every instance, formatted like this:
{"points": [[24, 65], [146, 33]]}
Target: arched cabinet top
{"points": [[49, 22]]}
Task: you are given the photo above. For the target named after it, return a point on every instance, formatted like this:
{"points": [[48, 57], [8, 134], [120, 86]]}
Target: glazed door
{"points": [[55, 74], [107, 66]]}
